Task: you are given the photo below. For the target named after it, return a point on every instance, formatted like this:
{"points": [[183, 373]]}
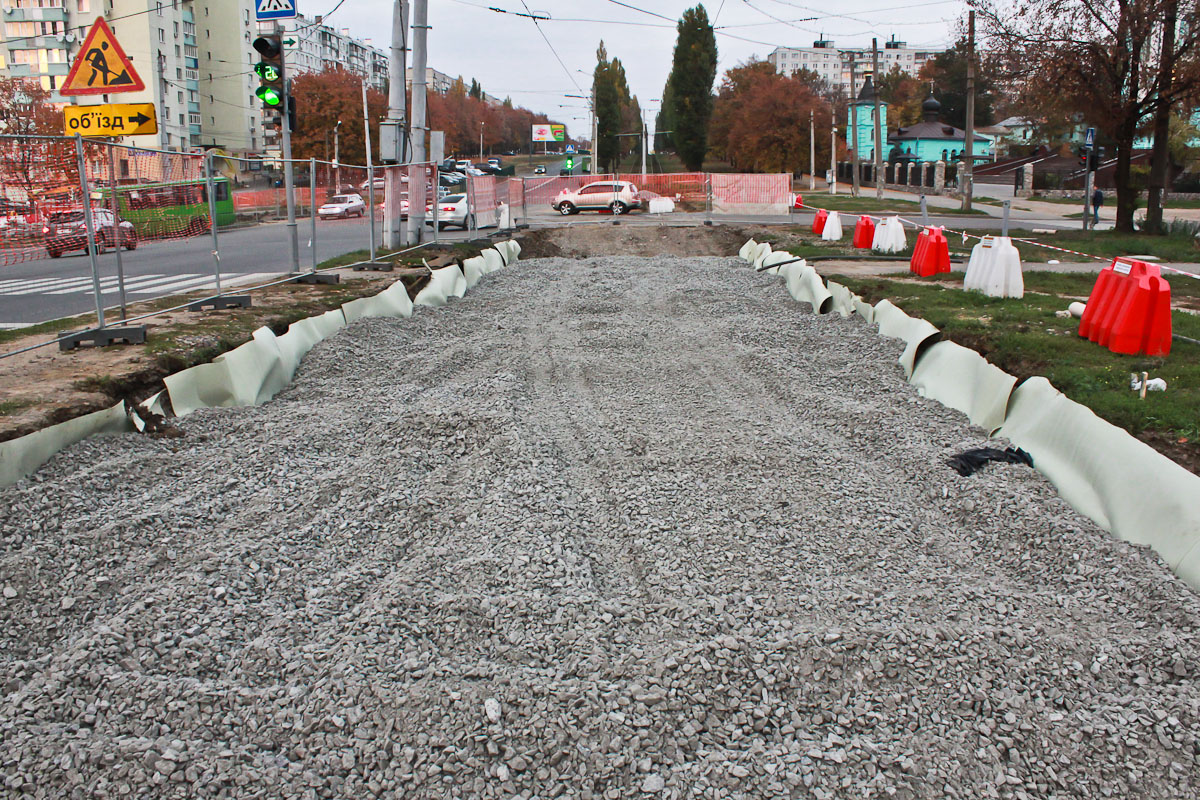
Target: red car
{"points": [[66, 230]]}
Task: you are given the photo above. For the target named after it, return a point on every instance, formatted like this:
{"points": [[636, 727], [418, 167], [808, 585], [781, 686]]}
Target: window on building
{"points": [[159, 8], [177, 51], [84, 6], [176, 30], [179, 73], [179, 96], [162, 35]]}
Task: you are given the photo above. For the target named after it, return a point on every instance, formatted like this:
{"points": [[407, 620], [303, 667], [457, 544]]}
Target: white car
{"points": [[618, 197], [380, 183], [452, 210], [343, 205]]}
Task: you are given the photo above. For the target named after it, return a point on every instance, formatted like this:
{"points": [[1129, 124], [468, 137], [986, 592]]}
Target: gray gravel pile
{"points": [[603, 528]]}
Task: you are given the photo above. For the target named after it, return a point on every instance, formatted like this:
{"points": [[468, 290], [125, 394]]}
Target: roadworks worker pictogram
{"points": [[101, 66]]}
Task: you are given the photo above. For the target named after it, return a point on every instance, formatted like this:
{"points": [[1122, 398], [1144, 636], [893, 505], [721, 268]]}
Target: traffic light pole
{"points": [[286, 149]]}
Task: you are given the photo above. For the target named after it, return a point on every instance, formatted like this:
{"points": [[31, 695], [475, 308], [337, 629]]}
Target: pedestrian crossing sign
{"points": [[274, 9], [101, 66]]}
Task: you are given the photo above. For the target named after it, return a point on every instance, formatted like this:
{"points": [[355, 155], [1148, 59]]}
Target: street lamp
{"points": [[337, 181], [481, 124]]}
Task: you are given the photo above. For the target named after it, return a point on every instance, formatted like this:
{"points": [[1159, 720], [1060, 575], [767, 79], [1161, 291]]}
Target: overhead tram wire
{"points": [[533, 19]]}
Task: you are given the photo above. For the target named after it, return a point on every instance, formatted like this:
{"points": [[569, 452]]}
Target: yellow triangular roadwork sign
{"points": [[101, 66]]}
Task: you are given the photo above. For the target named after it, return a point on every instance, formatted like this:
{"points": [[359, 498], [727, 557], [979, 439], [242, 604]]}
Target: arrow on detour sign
{"points": [[114, 119]]}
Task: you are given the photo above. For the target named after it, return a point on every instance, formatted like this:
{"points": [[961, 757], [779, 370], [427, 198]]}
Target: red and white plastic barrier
{"points": [[833, 228], [864, 232], [1129, 309]]}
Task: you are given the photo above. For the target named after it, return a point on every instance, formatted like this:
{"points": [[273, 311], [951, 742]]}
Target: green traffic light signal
{"points": [[269, 96], [570, 163], [268, 72]]}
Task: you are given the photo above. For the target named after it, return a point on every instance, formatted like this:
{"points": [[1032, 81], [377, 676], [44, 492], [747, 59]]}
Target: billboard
{"points": [[545, 132]]}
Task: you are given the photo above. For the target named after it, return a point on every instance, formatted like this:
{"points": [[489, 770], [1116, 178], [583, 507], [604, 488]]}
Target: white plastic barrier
{"points": [[806, 286], [443, 284], [995, 268], [961, 379], [1122, 484], [661, 205], [833, 228], [914, 331], [889, 236], [22, 456]]}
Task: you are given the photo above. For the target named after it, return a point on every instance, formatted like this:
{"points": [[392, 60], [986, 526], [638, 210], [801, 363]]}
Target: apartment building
{"points": [[317, 47], [833, 64], [192, 55]]}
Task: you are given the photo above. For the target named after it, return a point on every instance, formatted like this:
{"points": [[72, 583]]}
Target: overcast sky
{"points": [[509, 56]]}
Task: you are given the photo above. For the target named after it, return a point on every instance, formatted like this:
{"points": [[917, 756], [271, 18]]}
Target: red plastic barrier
{"points": [[819, 221], [797, 202], [1129, 309], [864, 232], [931, 254]]}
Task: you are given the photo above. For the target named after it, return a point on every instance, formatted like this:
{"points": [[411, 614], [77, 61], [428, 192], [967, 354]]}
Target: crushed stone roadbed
{"points": [[611, 527]]}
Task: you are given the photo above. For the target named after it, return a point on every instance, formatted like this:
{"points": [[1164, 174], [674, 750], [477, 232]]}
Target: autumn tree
{"points": [[689, 86], [1101, 61], [324, 98], [903, 94], [947, 74], [756, 115], [31, 164]]}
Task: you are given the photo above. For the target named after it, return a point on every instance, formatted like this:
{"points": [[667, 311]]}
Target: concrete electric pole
{"points": [[968, 176], [393, 136], [416, 173], [853, 137], [878, 170]]}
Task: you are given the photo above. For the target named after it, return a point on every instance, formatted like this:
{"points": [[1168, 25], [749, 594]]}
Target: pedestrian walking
{"points": [[1097, 201]]}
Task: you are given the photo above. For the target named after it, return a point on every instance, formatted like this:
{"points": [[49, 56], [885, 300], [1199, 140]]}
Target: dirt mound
{"points": [[583, 241]]}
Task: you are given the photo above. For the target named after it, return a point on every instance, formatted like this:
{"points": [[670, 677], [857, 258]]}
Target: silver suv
{"points": [[615, 196]]}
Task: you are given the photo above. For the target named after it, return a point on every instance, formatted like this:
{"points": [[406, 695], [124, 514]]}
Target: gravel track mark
{"points": [[696, 541]]}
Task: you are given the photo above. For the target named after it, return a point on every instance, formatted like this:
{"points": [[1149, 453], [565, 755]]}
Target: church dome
{"points": [[931, 107]]}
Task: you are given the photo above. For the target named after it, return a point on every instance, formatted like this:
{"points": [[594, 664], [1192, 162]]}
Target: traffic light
{"points": [[270, 71], [1083, 156], [570, 162], [1095, 157]]}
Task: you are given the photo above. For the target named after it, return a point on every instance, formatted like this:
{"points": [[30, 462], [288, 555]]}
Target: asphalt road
{"points": [[46, 288]]}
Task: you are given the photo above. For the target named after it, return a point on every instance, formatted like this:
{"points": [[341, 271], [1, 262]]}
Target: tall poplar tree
{"points": [[608, 110], [690, 86]]}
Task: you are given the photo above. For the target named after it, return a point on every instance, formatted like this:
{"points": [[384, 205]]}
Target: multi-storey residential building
{"points": [[192, 55], [317, 47], [833, 64]]}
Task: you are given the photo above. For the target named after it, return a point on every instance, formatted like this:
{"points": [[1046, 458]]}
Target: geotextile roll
{"points": [[391, 302], [473, 270], [443, 284], [806, 286], [843, 298]]}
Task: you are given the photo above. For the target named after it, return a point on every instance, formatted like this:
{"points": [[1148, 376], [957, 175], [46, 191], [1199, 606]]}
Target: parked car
{"points": [[344, 206], [489, 169], [540, 169], [618, 197], [380, 183], [495, 162], [66, 230], [461, 164]]}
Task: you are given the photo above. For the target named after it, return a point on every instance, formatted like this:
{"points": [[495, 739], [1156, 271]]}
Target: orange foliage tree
{"points": [[760, 120]]}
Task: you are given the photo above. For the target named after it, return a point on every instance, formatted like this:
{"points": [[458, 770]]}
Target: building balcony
{"points": [[58, 14]]}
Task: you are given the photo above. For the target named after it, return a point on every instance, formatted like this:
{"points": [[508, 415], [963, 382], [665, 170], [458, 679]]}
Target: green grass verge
{"points": [[1107, 244], [872, 205], [1025, 338]]}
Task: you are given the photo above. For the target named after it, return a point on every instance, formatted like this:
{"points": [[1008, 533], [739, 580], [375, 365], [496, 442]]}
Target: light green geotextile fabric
{"points": [[914, 331], [1123, 485], [962, 379], [21, 457]]}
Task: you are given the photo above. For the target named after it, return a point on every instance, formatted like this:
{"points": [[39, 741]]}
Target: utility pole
{"points": [[853, 138], [878, 132], [644, 141], [416, 173], [833, 159], [337, 164], [370, 168], [595, 131], [968, 180], [393, 139], [812, 151]]}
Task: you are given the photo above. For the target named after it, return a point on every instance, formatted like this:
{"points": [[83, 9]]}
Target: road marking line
{"points": [[77, 285]]}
